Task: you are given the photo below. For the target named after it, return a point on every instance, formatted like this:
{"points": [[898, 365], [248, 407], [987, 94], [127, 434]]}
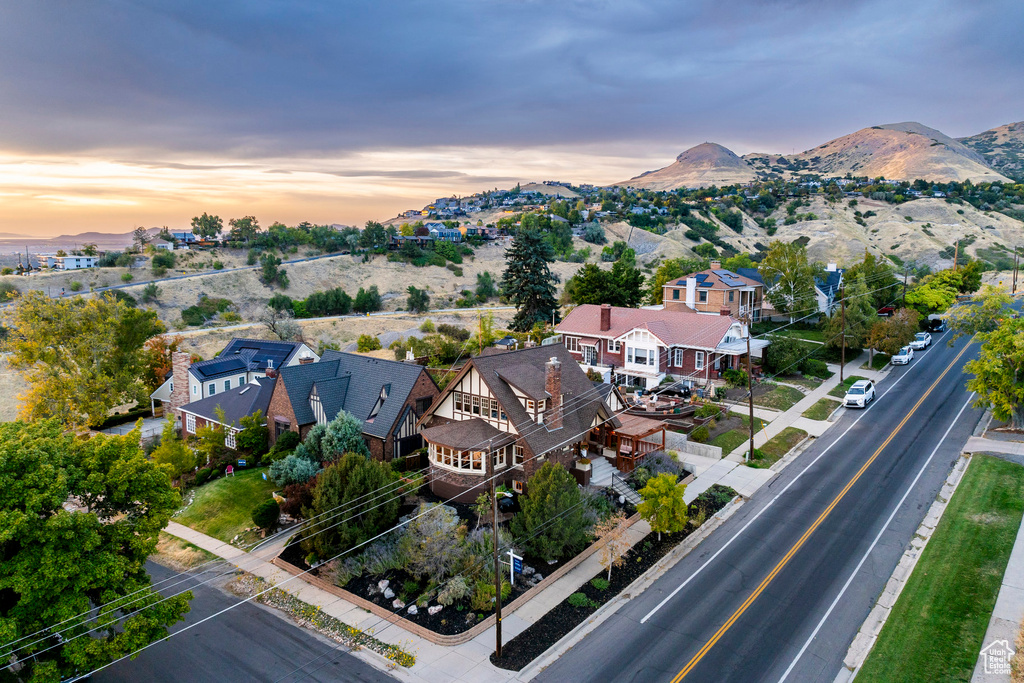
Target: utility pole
{"points": [[956, 255], [906, 276], [1016, 264], [750, 391], [497, 564], [842, 343]]}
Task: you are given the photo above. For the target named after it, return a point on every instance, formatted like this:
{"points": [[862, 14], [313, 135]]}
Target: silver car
{"points": [[904, 357]]}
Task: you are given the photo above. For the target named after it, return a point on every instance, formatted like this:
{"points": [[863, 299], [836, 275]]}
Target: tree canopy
{"points": [[527, 281], [80, 357], [789, 278], [620, 286], [243, 229], [59, 564], [207, 227]]}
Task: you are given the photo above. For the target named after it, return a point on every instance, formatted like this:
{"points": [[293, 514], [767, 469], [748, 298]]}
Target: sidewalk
{"points": [[466, 663], [730, 470]]}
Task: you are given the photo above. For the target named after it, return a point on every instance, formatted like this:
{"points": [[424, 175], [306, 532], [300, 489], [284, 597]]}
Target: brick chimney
{"points": [[553, 385], [716, 265], [180, 363], [305, 360], [724, 310], [606, 317]]}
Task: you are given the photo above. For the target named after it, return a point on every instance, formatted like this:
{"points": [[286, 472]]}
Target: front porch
{"points": [[634, 438]]}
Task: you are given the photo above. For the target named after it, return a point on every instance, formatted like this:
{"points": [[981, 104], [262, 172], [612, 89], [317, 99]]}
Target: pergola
{"points": [[632, 443]]}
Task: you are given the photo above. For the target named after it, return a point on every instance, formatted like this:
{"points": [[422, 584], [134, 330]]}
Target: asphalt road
{"points": [[248, 643], [745, 605]]}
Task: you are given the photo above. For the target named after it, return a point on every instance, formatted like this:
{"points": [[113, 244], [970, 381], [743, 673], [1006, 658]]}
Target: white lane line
{"points": [[772, 501], [881, 531]]}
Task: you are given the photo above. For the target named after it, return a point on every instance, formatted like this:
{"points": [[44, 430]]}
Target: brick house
{"points": [[510, 411], [388, 396], [232, 405], [715, 291], [643, 347]]}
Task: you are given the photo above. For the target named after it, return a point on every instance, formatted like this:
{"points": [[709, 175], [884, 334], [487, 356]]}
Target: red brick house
{"points": [[643, 347], [388, 396], [228, 408], [713, 291]]}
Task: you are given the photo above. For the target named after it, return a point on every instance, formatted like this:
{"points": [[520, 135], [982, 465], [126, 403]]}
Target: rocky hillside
{"points": [[1002, 148], [899, 151], [701, 166]]}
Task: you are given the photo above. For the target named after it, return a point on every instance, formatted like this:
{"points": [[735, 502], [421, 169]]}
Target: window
{"points": [[650, 357], [384, 391], [190, 423], [476, 405], [229, 438], [195, 389], [678, 360], [499, 456], [572, 343], [227, 385], [494, 408], [422, 404], [213, 389], [614, 346], [461, 460], [518, 455], [590, 355], [730, 296], [241, 380], [698, 361], [530, 405], [457, 397], [675, 294], [702, 297], [629, 354]]}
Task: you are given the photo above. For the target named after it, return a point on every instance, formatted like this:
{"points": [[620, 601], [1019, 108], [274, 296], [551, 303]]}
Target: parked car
{"points": [[860, 394], [922, 340], [937, 325], [904, 357]]}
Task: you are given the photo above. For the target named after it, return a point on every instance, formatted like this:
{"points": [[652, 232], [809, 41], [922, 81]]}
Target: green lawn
{"points": [[780, 398], [223, 507], [730, 441], [935, 629], [840, 390], [822, 409], [778, 446], [803, 335], [878, 362]]}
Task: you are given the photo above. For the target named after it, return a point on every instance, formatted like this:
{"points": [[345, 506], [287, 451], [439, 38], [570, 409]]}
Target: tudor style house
{"points": [[715, 291], [241, 362], [388, 396], [508, 412], [643, 347]]}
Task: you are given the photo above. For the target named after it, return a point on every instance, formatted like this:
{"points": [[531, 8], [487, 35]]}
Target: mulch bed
{"points": [[517, 653]]}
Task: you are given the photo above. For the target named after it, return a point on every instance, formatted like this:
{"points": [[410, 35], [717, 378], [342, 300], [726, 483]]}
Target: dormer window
{"points": [[384, 391]]}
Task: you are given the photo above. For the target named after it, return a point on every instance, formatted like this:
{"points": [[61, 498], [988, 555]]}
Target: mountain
{"points": [[1002, 148], [899, 151], [701, 166]]}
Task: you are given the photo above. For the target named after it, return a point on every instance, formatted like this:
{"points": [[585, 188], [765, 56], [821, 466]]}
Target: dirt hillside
{"points": [[1002, 148], [701, 166]]}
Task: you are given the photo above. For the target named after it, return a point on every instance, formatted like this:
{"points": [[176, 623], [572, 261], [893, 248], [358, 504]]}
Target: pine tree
{"points": [[527, 281]]}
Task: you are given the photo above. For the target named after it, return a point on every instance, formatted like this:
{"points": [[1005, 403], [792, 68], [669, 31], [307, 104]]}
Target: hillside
{"points": [[549, 190], [1002, 148], [701, 166], [899, 151]]}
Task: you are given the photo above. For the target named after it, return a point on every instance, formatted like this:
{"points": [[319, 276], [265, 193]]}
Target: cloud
{"points": [[260, 78]]}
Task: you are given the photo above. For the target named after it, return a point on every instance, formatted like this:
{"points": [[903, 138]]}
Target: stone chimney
{"points": [[606, 317], [305, 360], [553, 385], [180, 363]]}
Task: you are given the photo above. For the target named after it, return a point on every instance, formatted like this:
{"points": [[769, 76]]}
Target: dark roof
{"points": [[351, 382], [581, 402], [527, 378], [247, 355], [830, 283], [750, 274], [475, 434], [236, 403]]}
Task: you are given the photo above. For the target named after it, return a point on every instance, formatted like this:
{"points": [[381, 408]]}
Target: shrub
{"points": [[150, 293], [581, 600], [432, 542], [75, 286], [735, 378], [367, 342], [454, 332], [483, 595], [456, 589], [367, 300], [287, 441], [427, 326], [700, 434], [127, 277], [383, 556], [815, 368], [217, 265], [202, 475], [712, 500], [298, 497], [206, 309], [293, 470], [599, 583], [266, 514], [162, 259], [707, 410]]}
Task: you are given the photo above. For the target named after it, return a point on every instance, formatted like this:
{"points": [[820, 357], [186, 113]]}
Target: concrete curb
{"points": [[642, 583], [865, 639]]}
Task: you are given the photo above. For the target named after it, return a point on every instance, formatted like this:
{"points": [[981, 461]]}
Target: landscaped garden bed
{"points": [[777, 447], [574, 610]]}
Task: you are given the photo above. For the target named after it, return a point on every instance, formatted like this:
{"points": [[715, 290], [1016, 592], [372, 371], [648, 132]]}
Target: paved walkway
{"points": [[467, 663]]}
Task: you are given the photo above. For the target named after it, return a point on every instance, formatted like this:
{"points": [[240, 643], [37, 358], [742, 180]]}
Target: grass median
{"points": [[936, 628], [839, 391], [821, 410]]}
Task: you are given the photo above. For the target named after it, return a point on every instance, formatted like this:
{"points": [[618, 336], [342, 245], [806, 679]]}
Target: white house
{"points": [[69, 262]]}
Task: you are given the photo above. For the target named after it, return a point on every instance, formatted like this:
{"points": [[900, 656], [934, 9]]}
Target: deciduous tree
{"points": [[173, 455], [243, 229], [788, 278], [999, 372], [663, 505], [59, 562], [207, 227]]}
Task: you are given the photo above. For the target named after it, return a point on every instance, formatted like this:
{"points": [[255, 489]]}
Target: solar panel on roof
{"points": [[706, 284], [701, 277]]}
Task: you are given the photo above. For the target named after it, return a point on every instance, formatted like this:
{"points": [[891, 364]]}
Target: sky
{"points": [[115, 113]]}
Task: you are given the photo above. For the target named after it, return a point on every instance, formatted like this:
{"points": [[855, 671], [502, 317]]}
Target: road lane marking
{"points": [[807, 534], [778, 495], [881, 531]]}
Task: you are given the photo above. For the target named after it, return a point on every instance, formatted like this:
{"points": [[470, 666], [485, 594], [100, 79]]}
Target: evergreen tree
{"points": [[553, 494], [527, 281]]}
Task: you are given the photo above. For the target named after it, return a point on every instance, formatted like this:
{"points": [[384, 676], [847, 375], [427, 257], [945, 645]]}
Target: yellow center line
{"points": [[821, 518]]}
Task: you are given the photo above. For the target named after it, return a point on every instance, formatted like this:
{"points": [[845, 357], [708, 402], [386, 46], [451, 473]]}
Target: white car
{"points": [[860, 394], [904, 357], [922, 340]]}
